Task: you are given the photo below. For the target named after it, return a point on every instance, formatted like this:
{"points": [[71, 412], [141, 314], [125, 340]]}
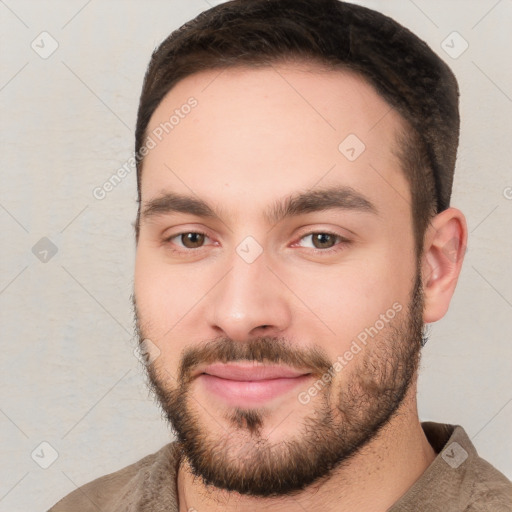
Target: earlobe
{"points": [[443, 254]]}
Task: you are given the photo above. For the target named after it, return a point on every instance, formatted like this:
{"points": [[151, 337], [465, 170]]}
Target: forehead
{"points": [[257, 134]]}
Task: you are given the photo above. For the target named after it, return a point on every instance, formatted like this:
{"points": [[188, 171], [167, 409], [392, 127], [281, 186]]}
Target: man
{"points": [[294, 236]]}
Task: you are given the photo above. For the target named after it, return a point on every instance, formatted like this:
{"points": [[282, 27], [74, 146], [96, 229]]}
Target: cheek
{"points": [[158, 300], [161, 297], [149, 289], [344, 301]]}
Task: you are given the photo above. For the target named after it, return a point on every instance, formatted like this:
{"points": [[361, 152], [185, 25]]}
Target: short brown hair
{"points": [[399, 65]]}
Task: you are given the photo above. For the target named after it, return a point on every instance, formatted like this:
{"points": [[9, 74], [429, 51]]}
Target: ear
{"points": [[444, 246]]}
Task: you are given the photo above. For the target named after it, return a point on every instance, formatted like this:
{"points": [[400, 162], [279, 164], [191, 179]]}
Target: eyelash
{"points": [[184, 251], [343, 242], [340, 246]]}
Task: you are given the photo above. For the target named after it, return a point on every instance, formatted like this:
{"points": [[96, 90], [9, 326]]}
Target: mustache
{"points": [[265, 349]]}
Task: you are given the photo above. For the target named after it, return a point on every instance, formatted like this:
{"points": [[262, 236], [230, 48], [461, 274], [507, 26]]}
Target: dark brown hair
{"points": [[340, 35]]}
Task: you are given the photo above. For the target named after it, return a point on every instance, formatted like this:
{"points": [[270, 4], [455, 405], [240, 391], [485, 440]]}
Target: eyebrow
{"points": [[320, 199]]}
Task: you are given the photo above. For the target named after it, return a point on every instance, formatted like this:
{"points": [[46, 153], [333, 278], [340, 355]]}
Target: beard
{"points": [[342, 421]]}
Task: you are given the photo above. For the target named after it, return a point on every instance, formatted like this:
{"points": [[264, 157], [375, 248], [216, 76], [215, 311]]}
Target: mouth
{"points": [[246, 384]]}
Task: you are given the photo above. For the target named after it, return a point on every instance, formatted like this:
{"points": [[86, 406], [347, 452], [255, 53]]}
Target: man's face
{"points": [[286, 335]]}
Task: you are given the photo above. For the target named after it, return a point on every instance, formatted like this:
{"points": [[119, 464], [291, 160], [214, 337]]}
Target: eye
{"points": [[188, 240], [322, 240]]}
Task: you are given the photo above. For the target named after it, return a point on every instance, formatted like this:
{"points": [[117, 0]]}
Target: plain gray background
{"points": [[69, 375]]}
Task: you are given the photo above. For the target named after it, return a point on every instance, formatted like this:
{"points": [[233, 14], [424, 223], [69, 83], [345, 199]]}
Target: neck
{"points": [[372, 480]]}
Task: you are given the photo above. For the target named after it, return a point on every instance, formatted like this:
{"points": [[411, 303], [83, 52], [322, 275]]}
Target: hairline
{"points": [[310, 64]]}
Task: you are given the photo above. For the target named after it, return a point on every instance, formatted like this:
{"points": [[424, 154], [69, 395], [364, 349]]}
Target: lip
{"points": [[250, 371], [245, 384]]}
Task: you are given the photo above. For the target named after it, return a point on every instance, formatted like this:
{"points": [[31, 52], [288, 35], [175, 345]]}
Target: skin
{"points": [[258, 136]]}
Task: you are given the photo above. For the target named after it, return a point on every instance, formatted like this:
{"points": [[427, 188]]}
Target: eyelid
{"points": [[343, 240], [167, 239], [167, 236]]}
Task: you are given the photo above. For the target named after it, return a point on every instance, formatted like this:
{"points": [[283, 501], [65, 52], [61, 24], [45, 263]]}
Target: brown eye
{"points": [[323, 240], [192, 240]]}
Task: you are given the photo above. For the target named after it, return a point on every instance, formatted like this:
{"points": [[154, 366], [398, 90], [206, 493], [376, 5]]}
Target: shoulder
{"points": [[122, 489], [458, 479], [479, 485], [488, 488]]}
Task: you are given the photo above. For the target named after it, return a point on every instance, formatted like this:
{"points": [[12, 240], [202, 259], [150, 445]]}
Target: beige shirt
{"points": [[457, 481]]}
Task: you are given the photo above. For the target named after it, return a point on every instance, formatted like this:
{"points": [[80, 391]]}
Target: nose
{"points": [[249, 301]]}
